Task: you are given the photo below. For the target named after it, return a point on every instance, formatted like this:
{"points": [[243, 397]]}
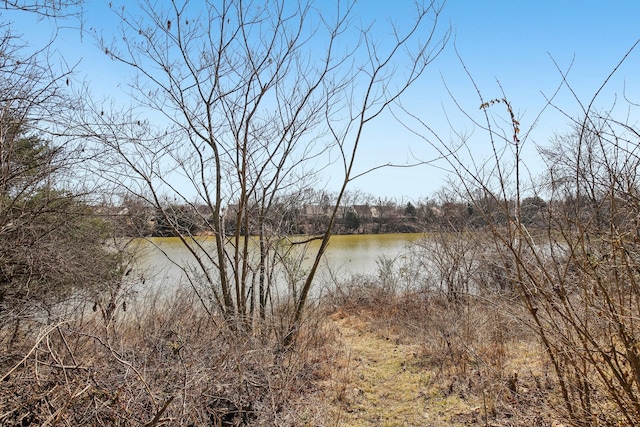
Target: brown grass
{"points": [[419, 360], [365, 356], [160, 364]]}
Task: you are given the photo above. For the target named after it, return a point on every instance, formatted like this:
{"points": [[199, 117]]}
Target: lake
{"points": [[161, 259]]}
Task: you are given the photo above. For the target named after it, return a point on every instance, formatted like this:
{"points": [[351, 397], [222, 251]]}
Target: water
{"points": [[162, 261], [359, 254]]}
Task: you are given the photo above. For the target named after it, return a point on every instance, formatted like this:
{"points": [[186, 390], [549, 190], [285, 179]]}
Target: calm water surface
{"points": [[161, 259]]}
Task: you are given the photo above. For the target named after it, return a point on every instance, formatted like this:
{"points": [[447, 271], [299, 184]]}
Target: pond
{"points": [[161, 260]]}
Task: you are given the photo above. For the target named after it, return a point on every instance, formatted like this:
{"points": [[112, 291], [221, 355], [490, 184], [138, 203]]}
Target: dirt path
{"points": [[382, 383]]}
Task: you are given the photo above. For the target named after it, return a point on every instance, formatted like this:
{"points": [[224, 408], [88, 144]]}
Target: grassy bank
{"points": [[366, 356]]}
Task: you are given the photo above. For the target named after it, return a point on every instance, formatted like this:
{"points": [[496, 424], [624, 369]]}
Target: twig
{"points": [[156, 418], [35, 346]]}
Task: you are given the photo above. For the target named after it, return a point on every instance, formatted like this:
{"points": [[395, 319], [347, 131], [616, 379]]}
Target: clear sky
{"points": [[507, 41], [514, 42]]}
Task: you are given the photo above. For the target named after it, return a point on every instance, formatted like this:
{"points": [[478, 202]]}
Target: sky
{"points": [[513, 45], [505, 45]]}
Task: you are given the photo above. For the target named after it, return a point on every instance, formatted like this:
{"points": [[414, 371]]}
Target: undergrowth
{"points": [[158, 363], [472, 361]]}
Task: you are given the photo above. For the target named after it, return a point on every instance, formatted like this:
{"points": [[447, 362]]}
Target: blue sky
{"points": [[515, 43], [510, 42]]}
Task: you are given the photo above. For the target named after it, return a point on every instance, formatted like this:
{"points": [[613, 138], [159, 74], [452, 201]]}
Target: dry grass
{"points": [[417, 360], [383, 382], [159, 364], [364, 357]]}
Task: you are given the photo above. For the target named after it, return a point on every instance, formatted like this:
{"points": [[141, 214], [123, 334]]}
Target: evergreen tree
{"points": [[352, 221]]}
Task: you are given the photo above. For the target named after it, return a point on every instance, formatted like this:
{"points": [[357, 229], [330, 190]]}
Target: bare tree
{"points": [[48, 8], [576, 274], [256, 99]]}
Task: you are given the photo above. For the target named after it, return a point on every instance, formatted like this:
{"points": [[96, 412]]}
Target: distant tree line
{"points": [[309, 215]]}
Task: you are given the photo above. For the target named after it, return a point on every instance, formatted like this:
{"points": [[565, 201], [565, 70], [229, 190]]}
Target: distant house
{"points": [[385, 211], [314, 211], [364, 211]]}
